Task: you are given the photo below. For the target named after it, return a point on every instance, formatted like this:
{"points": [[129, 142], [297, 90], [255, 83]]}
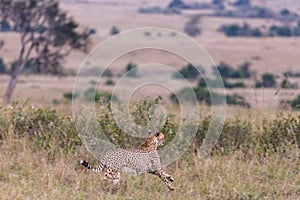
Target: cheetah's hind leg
{"points": [[115, 176]]}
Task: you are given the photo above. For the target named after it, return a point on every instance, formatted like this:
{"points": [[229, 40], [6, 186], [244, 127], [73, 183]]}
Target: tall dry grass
{"points": [[35, 164], [28, 173]]}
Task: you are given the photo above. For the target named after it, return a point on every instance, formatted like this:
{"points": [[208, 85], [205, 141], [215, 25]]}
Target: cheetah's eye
{"points": [[157, 134]]}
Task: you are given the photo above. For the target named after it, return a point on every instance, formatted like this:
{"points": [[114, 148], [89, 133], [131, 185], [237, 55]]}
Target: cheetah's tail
{"points": [[95, 169]]}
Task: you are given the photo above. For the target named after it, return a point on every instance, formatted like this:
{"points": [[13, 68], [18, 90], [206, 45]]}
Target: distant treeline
{"points": [[234, 30]]}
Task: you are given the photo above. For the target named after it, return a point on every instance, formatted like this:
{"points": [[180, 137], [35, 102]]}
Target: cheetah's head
{"points": [[160, 138]]}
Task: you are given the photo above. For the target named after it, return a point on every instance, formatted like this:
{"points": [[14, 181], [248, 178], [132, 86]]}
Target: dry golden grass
{"points": [[27, 173]]}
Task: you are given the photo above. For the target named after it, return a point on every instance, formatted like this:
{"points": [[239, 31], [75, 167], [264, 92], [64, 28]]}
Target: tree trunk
{"points": [[13, 82], [10, 88], [15, 75]]}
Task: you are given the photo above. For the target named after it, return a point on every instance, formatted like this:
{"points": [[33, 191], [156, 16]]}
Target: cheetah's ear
{"points": [[157, 134]]}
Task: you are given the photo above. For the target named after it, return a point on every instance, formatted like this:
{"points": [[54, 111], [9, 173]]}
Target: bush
{"points": [[245, 70], [50, 130], [296, 31], [109, 82], [92, 95], [2, 67], [192, 30], [114, 30], [189, 72], [4, 26], [191, 26], [236, 99], [43, 126], [107, 73], [227, 71], [224, 69], [177, 4], [69, 96], [213, 83], [256, 32], [242, 3], [265, 137], [141, 115], [286, 84], [295, 103], [131, 70], [234, 85], [268, 81], [291, 74], [283, 31], [234, 30], [158, 10], [203, 95]]}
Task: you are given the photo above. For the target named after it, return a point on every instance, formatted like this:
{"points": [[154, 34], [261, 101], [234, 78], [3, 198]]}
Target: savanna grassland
{"points": [[256, 157]]}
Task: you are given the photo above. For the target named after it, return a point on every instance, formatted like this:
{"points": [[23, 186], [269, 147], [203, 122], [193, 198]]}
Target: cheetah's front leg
{"points": [[166, 178]]}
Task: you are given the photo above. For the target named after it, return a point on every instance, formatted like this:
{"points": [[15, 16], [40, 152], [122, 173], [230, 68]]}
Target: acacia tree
{"points": [[47, 35]]}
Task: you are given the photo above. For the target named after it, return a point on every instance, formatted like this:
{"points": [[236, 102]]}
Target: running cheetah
{"points": [[138, 160]]}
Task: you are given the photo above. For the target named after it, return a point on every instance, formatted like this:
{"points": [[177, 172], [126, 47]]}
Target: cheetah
{"points": [[139, 160]]}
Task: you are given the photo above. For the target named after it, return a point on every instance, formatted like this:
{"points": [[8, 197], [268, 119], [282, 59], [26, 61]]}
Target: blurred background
{"points": [[253, 43]]}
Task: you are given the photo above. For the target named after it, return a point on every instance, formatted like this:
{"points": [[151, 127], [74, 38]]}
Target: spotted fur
{"points": [[139, 160]]}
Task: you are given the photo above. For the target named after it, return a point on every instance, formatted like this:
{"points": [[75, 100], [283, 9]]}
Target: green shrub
{"points": [[242, 3], [234, 30], [295, 103], [177, 4], [203, 95], [263, 137], [192, 30], [50, 130], [92, 95], [114, 30], [2, 67], [109, 82], [107, 73], [286, 84], [278, 134], [284, 31], [236, 99], [158, 10], [5, 26], [227, 71], [268, 81], [69, 96], [296, 31], [141, 115], [189, 72], [291, 74], [233, 85], [245, 69], [131, 70], [213, 83], [256, 32], [43, 126]]}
